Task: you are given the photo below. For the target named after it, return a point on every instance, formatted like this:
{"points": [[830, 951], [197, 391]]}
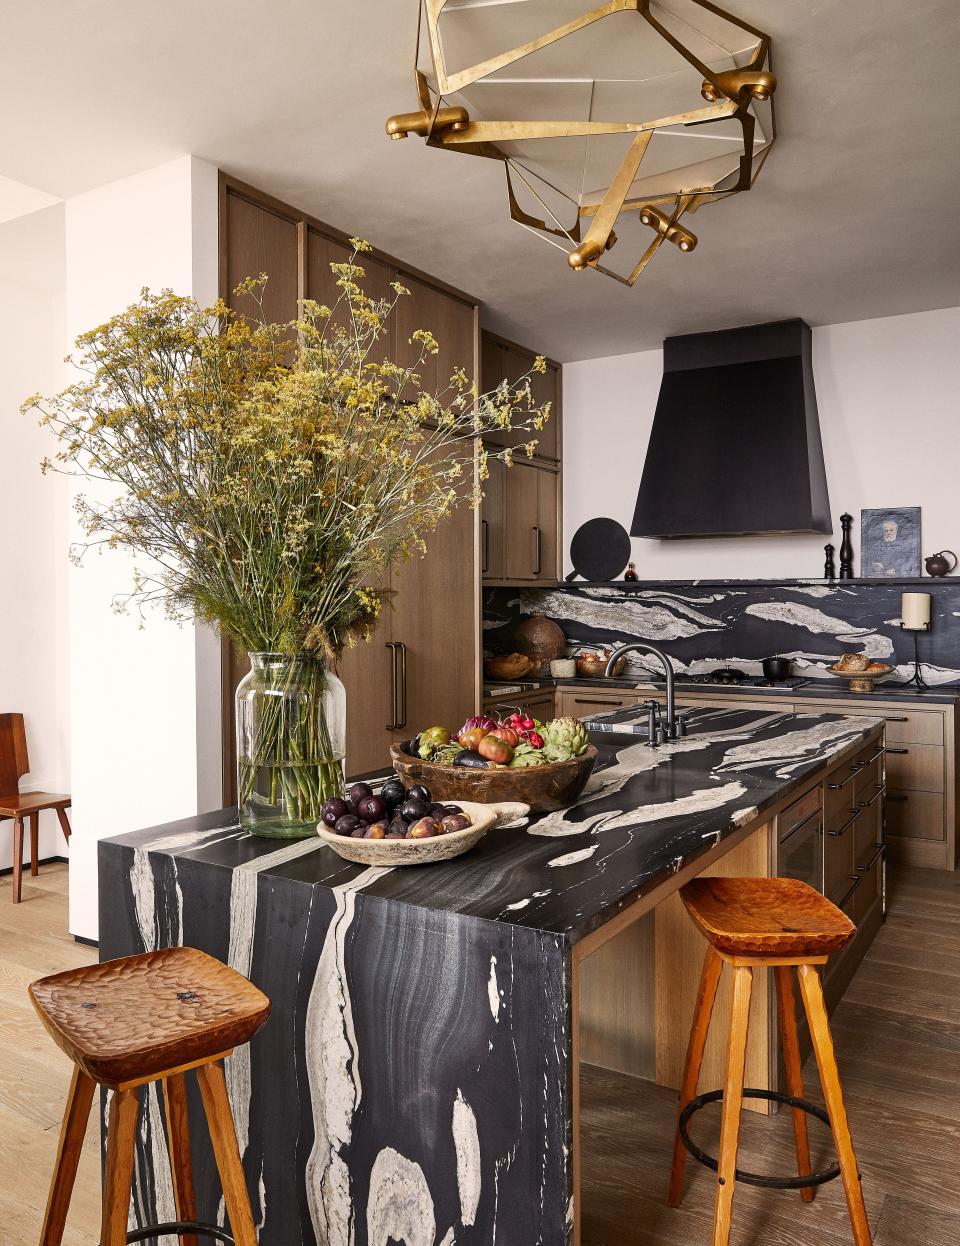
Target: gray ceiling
{"points": [[854, 216]]}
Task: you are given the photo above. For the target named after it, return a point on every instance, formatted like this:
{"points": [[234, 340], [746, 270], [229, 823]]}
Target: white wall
{"points": [[33, 512], [887, 394], [140, 695]]}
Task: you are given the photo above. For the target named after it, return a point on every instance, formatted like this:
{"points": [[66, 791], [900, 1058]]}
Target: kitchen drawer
{"points": [[538, 704], [870, 888], [798, 812], [869, 777], [902, 726], [839, 790], [916, 767], [838, 852], [581, 704], [914, 815], [867, 830]]}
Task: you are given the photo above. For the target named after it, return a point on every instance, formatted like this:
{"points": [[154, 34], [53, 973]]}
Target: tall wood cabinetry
{"points": [[520, 517], [422, 664]]}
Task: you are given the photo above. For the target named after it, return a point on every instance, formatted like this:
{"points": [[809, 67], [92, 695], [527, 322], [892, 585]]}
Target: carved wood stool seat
{"points": [[140, 1019], [781, 924]]}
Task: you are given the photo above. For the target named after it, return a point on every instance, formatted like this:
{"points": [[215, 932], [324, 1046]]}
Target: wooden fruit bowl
{"points": [[392, 852], [545, 788], [860, 681]]}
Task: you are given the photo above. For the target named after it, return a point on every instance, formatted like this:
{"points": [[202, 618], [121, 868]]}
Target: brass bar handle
{"points": [[403, 682], [484, 546], [392, 646]]}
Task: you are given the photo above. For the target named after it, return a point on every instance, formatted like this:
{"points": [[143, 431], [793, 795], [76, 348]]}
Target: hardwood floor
{"points": [[34, 1074], [897, 1032]]}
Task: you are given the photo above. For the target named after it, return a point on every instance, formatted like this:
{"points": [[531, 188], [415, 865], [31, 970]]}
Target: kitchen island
{"points": [[418, 1080]]}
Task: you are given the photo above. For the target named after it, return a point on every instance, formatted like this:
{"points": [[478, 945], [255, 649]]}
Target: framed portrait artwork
{"points": [[890, 542]]}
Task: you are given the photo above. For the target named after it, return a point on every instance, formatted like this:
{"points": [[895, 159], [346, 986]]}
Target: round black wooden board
{"points": [[600, 549]]}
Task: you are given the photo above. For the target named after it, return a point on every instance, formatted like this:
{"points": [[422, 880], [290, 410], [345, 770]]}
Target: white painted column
{"points": [[144, 697]]}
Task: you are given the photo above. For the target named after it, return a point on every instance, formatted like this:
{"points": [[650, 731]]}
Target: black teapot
{"points": [[937, 564]]}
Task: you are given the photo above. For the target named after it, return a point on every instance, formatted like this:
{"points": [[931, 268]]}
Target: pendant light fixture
{"points": [[633, 114]]}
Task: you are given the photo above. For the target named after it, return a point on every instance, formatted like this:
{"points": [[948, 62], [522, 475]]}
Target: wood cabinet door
{"points": [[545, 387], [491, 374], [435, 619], [492, 525], [260, 241], [521, 522], [449, 320], [367, 672], [548, 520], [321, 282]]}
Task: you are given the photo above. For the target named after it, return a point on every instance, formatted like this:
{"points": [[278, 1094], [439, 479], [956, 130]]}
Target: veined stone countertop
{"points": [[645, 812], [816, 689]]}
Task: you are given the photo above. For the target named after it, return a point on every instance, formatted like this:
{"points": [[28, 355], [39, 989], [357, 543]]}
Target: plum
{"points": [[419, 792], [454, 822], [371, 808], [397, 827], [393, 793], [346, 824], [414, 808], [360, 791], [332, 810]]}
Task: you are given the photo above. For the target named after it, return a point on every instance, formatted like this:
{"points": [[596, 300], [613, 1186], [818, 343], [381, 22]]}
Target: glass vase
{"points": [[291, 738]]}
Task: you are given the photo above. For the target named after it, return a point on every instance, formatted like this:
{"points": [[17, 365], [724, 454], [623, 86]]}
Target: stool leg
{"points": [[812, 993], [178, 1142], [118, 1176], [72, 1131], [34, 844], [17, 858], [709, 980], [216, 1105], [732, 1103], [786, 1011], [64, 823]]}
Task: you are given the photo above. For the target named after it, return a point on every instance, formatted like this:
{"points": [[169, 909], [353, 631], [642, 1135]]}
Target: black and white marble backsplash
{"points": [[739, 623]]}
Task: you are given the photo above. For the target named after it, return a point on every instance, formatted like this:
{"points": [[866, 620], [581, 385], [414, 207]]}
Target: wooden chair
{"points": [[14, 764], [779, 924], [142, 1019]]}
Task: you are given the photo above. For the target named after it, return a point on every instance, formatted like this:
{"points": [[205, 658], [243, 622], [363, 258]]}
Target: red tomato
{"points": [[471, 739], [508, 735], [495, 750]]}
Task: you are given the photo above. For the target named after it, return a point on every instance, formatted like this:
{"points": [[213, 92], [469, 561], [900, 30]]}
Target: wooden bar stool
{"points": [[781, 924], [14, 764], [142, 1019]]}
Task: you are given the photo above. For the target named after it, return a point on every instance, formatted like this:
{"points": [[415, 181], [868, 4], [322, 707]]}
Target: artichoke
{"points": [[525, 755], [564, 738]]}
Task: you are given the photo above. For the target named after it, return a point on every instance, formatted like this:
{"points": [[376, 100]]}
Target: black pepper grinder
{"points": [[846, 548], [830, 566]]}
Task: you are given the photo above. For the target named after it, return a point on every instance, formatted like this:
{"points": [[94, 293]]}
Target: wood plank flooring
{"points": [[898, 1038], [34, 1073], [897, 1032]]}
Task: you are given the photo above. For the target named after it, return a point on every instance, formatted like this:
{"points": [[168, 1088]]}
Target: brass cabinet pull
{"points": [[403, 682], [485, 546], [392, 646]]}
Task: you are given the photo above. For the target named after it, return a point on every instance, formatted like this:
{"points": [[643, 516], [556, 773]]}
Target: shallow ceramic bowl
{"points": [[391, 852], [544, 788], [594, 666], [512, 666], [861, 681]]}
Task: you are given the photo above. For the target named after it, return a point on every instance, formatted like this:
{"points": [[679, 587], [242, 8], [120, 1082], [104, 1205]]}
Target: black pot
{"points": [[777, 669]]}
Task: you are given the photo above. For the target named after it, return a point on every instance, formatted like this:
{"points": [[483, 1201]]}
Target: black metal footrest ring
{"points": [[180, 1228], [752, 1178]]}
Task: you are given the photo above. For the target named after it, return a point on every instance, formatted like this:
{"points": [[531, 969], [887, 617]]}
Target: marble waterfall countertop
{"points": [[815, 689], [644, 812], [416, 1080]]}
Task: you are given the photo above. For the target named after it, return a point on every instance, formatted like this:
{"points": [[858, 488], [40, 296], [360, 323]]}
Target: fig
{"points": [[360, 791], [397, 827], [424, 828], [332, 810], [454, 822], [360, 832], [395, 835], [437, 810], [495, 750], [471, 760], [346, 824], [371, 808], [414, 808], [377, 831], [452, 809], [393, 793], [419, 792]]}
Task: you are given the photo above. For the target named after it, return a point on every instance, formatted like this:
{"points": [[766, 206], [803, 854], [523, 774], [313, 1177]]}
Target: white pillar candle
{"points": [[915, 611]]}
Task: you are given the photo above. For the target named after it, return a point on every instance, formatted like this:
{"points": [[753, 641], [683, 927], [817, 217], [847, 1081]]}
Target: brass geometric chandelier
{"points": [[598, 115]]}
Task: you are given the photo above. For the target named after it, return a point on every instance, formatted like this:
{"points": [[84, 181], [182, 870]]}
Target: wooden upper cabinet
{"points": [[492, 517], [321, 281], [452, 323], [501, 360], [261, 241], [545, 387]]}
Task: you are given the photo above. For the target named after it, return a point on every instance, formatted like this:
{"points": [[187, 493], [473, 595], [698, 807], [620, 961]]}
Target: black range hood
{"points": [[735, 445]]}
